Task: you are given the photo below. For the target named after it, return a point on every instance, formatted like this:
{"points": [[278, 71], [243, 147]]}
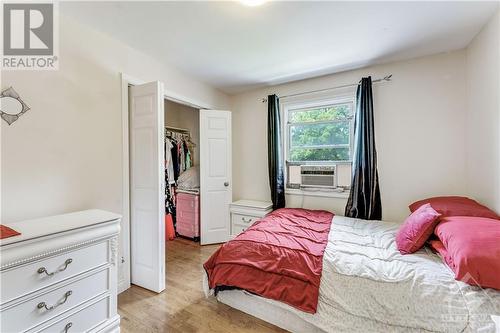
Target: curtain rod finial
{"points": [[264, 100]]}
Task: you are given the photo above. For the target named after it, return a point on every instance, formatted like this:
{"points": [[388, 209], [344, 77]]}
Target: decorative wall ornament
{"points": [[113, 247], [11, 105]]}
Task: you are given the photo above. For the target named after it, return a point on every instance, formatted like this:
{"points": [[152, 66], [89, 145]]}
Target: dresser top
{"points": [[40, 227], [253, 204]]}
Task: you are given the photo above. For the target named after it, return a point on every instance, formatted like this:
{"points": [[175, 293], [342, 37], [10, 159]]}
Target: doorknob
{"points": [[226, 184]]}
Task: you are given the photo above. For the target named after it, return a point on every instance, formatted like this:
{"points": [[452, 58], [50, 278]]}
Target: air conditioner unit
{"points": [[318, 176]]}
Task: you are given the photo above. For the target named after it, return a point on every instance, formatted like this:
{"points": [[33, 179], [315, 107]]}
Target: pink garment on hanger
{"points": [[169, 227]]}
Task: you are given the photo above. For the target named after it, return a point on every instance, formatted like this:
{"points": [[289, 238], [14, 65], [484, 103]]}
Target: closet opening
{"points": [[182, 171], [176, 181]]}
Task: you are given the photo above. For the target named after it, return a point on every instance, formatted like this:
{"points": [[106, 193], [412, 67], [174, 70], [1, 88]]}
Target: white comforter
{"points": [[367, 286]]}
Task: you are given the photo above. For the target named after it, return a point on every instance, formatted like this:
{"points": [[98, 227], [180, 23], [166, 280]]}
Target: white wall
{"points": [[419, 124], [483, 115], [65, 154], [178, 115]]}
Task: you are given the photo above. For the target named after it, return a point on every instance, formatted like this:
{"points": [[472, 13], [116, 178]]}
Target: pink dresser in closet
{"points": [[188, 215]]}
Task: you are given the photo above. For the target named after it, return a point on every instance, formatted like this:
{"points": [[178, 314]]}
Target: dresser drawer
{"points": [[187, 217], [187, 224], [188, 231], [34, 311], [187, 202], [25, 279], [83, 320]]}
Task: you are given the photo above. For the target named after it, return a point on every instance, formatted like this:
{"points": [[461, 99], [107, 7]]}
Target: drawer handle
{"points": [[44, 270], [245, 220], [42, 305], [67, 327]]}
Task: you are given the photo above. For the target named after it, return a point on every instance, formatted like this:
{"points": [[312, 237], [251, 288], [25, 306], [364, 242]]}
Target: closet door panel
{"points": [[215, 175], [147, 186]]}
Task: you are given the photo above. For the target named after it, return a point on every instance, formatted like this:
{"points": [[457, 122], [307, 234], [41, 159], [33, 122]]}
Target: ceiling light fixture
{"points": [[252, 3]]}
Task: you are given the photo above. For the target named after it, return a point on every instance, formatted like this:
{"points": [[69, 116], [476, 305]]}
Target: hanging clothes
{"points": [[175, 159], [188, 160], [186, 153], [182, 161], [169, 227], [178, 158], [191, 147], [169, 163], [170, 209], [169, 198]]}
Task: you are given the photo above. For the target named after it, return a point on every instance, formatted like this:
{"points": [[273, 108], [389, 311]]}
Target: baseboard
{"points": [[122, 286], [110, 326]]}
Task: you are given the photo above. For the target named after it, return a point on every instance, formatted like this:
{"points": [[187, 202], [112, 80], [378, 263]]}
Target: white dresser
{"points": [[60, 274], [245, 212]]}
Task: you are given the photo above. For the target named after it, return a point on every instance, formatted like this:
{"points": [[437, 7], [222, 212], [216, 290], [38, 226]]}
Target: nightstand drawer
{"points": [[240, 222], [244, 220], [244, 213], [237, 229]]}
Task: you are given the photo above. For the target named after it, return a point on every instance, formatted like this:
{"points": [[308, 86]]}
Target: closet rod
{"points": [[177, 129], [385, 78]]}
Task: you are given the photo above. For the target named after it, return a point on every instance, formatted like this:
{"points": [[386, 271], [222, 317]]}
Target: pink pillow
{"points": [[456, 206], [472, 249], [439, 248], [416, 229]]}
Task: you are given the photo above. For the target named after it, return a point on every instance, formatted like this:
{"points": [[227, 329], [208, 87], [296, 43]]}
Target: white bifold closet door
{"points": [[215, 175], [147, 186]]}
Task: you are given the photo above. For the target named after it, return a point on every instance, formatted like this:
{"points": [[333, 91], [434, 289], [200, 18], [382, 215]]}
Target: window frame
{"points": [[311, 101], [315, 103]]}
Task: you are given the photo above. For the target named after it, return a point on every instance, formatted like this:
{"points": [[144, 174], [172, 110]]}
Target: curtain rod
{"points": [[385, 78]]}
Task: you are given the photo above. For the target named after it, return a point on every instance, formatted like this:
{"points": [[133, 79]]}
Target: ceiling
{"points": [[235, 47]]}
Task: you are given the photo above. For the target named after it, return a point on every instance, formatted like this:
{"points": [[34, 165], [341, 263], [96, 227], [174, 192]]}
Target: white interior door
{"points": [[215, 175], [147, 188]]}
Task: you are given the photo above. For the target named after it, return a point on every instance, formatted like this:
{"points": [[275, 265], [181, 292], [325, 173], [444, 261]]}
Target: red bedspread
{"points": [[280, 257]]}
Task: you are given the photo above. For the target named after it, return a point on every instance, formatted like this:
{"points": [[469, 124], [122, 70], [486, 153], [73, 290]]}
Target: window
{"points": [[320, 134]]}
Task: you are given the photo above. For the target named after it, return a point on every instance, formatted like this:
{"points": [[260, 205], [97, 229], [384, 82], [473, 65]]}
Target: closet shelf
{"points": [[184, 132], [177, 129]]}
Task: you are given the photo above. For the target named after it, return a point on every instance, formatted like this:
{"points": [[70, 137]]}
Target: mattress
{"points": [[367, 285]]}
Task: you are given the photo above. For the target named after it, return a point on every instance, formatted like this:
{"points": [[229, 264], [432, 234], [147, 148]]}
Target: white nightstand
{"points": [[245, 212]]}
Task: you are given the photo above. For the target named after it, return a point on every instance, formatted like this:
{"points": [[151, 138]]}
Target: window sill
{"points": [[318, 193]]}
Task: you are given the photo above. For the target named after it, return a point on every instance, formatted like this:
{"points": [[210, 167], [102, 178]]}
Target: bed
{"points": [[367, 285]]}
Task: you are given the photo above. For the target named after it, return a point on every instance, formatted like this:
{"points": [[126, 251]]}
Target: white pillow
{"points": [[189, 179]]}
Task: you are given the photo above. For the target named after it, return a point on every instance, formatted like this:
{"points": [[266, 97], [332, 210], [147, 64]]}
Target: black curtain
{"points": [[274, 153], [364, 198]]}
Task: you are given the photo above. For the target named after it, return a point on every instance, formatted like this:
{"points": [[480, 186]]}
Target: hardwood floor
{"points": [[182, 307]]}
